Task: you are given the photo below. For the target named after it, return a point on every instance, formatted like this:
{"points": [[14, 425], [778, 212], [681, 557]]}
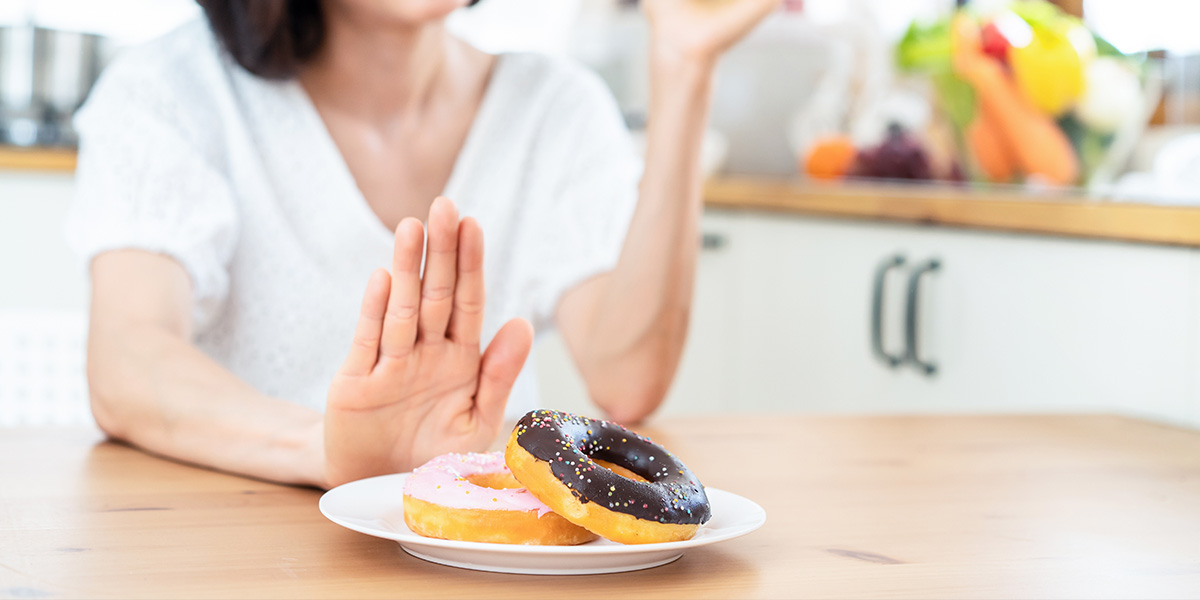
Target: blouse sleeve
{"points": [[596, 195], [145, 181]]}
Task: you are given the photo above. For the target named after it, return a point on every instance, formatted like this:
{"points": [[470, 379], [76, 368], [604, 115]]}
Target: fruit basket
{"points": [[1031, 95], [1022, 94]]}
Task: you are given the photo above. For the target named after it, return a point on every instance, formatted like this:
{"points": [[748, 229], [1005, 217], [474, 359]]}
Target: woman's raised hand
{"points": [[701, 30], [415, 384]]}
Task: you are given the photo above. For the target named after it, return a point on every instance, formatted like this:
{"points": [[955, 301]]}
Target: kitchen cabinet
{"points": [[1014, 323]]}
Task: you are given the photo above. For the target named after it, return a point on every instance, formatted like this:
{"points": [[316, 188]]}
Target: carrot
{"points": [[1038, 145], [991, 150]]}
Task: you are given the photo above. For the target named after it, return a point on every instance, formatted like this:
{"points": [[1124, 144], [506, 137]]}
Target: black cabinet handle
{"points": [[911, 353], [712, 241], [891, 262]]}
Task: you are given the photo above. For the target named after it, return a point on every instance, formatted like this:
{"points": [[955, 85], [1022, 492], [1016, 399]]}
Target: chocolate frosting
{"points": [[569, 443]]}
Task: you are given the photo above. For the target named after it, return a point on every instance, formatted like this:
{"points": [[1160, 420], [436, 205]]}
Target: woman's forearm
{"points": [[159, 393], [659, 257], [637, 314], [152, 388]]}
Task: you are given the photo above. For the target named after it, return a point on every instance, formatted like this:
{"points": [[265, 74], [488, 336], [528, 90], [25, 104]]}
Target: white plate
{"points": [[376, 507]]}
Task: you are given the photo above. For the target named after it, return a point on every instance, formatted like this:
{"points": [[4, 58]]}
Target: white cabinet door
{"points": [[1015, 323], [1024, 323], [805, 297]]}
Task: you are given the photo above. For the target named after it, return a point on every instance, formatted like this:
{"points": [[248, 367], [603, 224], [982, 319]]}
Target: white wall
{"points": [[38, 269], [43, 295]]}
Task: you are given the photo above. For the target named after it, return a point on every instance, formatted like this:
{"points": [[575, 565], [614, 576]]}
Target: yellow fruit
{"points": [[1048, 71]]}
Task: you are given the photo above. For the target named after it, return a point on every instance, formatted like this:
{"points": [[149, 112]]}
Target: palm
{"points": [[426, 398], [415, 385], [704, 28]]}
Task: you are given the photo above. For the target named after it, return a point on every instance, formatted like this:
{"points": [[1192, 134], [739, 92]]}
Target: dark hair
{"points": [[270, 38]]}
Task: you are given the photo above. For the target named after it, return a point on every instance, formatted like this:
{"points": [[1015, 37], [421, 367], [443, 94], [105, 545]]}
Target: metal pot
{"points": [[45, 75]]}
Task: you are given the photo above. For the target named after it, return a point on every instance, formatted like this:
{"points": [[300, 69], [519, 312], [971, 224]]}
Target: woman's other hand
{"points": [[626, 328], [701, 30], [415, 384]]}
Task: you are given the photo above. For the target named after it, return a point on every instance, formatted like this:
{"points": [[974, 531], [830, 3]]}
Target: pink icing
{"points": [[443, 481]]}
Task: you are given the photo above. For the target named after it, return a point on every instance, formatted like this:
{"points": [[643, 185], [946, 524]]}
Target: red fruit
{"points": [[994, 43], [900, 156]]}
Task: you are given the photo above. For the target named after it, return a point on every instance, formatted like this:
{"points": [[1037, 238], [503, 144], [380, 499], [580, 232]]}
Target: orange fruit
{"points": [[830, 157]]}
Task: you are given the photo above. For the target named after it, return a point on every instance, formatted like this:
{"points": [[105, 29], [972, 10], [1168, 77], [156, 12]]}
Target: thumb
{"points": [[501, 363]]}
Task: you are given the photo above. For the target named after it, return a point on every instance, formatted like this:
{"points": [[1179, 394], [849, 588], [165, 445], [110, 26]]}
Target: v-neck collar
{"points": [[323, 142]]}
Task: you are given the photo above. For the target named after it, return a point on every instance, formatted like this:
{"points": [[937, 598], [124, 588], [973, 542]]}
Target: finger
{"points": [[404, 301], [466, 321], [364, 350], [441, 270], [499, 368]]}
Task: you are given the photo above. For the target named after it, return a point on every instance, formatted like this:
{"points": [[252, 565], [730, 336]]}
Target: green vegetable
{"points": [[1048, 17], [957, 98], [1073, 128], [1090, 145], [1093, 149], [1105, 48], [925, 48], [1043, 15]]}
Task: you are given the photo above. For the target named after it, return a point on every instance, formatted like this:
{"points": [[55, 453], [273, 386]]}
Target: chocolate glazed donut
{"points": [[571, 445]]}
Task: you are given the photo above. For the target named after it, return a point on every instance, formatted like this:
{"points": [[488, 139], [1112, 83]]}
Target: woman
{"points": [[239, 179]]}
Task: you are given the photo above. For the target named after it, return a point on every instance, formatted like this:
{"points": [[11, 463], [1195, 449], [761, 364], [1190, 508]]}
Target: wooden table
{"points": [[857, 507]]}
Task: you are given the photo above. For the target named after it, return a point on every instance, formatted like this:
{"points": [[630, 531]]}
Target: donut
{"points": [[606, 478], [474, 498]]}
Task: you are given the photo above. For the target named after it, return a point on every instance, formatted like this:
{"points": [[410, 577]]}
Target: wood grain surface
{"points": [[37, 159], [1005, 209], [857, 507]]}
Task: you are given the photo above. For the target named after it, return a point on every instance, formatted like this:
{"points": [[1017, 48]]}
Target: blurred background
{"points": [[871, 243]]}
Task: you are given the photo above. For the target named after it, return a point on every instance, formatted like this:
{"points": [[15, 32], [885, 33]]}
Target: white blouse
{"points": [[184, 153]]}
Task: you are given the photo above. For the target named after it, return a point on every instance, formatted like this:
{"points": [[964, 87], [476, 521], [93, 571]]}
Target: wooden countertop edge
{"points": [[1002, 211], [37, 159]]}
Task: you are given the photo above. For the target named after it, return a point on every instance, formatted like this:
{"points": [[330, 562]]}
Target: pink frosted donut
{"points": [[475, 498]]}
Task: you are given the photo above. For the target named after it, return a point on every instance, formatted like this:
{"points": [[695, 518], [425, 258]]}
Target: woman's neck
{"points": [[379, 72]]}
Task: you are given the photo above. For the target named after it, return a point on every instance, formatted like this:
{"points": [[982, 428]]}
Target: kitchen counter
{"points": [[37, 159], [929, 507], [1003, 209]]}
